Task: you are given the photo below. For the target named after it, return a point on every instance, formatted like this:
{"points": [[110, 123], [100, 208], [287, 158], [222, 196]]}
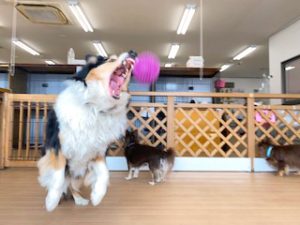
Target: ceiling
{"points": [[229, 27]]}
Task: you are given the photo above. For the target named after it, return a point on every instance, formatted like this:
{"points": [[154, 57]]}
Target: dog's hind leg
{"points": [[130, 173], [136, 172], [99, 177], [164, 167], [286, 170], [156, 172], [52, 177], [281, 168], [156, 177], [76, 183], [152, 182]]}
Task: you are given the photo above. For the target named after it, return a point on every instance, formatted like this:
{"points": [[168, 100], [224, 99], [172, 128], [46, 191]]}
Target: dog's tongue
{"points": [[116, 83]]}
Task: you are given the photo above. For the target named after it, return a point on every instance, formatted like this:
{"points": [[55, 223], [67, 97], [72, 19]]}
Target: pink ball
{"points": [[146, 68]]}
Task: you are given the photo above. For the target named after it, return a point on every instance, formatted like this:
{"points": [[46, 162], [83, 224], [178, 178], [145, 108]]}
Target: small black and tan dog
{"points": [[160, 161], [281, 157]]}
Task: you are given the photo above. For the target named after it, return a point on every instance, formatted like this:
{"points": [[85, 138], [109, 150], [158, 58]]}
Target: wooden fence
{"points": [[194, 130]]}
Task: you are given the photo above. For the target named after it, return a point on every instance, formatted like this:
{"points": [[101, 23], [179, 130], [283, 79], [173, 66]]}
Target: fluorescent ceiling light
{"points": [[168, 64], [100, 49], [81, 18], [186, 19], [25, 47], [173, 51], [225, 67], [49, 62], [245, 52], [289, 68]]}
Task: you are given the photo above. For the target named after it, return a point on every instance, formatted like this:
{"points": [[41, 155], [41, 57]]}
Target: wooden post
{"points": [[28, 126], [170, 122], [251, 130], [9, 128], [6, 134], [2, 130], [21, 117]]}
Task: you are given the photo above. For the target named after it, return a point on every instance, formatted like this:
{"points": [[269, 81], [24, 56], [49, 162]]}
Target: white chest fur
{"points": [[86, 128]]}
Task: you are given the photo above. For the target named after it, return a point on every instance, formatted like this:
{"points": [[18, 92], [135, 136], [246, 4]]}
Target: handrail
{"points": [[215, 94], [183, 94], [5, 90]]}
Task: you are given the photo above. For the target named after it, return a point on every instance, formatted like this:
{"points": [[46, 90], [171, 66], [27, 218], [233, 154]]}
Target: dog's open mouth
{"points": [[119, 77], [116, 82]]}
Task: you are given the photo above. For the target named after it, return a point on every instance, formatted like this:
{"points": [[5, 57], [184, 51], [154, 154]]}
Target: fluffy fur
{"points": [[281, 157], [87, 117], [160, 162]]}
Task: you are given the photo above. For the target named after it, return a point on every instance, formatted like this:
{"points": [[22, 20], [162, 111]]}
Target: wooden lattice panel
{"points": [[284, 130], [197, 130], [151, 123], [210, 132]]}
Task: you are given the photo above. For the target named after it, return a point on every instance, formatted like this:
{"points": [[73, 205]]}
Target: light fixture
{"points": [[25, 47], [79, 15], [225, 67], [186, 19], [289, 68], [245, 52], [173, 51], [168, 64], [100, 49], [49, 62]]}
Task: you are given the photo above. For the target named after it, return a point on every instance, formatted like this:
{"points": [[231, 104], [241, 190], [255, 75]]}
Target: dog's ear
{"points": [[127, 133], [135, 133]]}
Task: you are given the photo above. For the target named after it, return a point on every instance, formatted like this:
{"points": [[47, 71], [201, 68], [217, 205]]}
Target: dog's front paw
{"points": [[128, 178], [280, 173], [81, 201], [96, 198], [151, 183], [52, 200]]}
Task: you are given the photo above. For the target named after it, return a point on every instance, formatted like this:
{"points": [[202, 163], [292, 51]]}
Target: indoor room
{"points": [[173, 112]]}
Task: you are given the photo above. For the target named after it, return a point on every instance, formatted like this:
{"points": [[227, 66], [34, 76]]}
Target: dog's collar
{"points": [[269, 151]]}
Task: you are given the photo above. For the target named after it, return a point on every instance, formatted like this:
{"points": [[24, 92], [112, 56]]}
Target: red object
{"points": [[220, 83]]}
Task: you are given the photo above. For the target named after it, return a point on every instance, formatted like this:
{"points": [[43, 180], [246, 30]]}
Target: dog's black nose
{"points": [[132, 54]]}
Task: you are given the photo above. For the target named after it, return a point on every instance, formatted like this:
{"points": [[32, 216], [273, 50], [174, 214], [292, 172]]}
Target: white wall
{"points": [[55, 83], [283, 45], [246, 85], [178, 84]]}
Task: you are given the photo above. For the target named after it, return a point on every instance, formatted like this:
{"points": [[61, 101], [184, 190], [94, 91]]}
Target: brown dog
{"points": [[281, 156], [160, 161]]}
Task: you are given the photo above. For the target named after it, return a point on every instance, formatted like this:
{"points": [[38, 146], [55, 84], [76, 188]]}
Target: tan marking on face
{"points": [[103, 72]]}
